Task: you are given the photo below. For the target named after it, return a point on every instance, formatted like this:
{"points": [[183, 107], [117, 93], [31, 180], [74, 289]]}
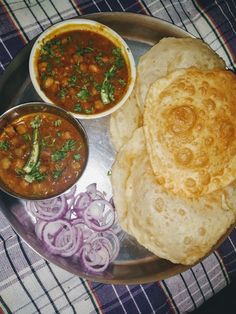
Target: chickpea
{"points": [[72, 91], [83, 67], [64, 41], [105, 59], [76, 166], [15, 141], [98, 104], [21, 128], [10, 131], [94, 91], [5, 163], [94, 68], [19, 152], [54, 88], [48, 82], [19, 163], [64, 81], [42, 168], [77, 58], [66, 135], [24, 184], [42, 66]]}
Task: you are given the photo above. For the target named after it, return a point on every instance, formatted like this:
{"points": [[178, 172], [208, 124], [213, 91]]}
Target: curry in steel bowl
{"points": [[86, 69], [43, 151]]}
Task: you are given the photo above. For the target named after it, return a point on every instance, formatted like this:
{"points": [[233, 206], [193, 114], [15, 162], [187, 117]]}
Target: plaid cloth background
{"points": [[29, 284]]}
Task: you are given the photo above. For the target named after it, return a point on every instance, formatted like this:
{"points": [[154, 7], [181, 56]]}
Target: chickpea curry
{"points": [[82, 71], [41, 155]]}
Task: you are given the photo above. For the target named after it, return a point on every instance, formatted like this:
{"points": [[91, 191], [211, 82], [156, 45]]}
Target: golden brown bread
{"points": [[169, 55], [180, 230], [190, 128]]}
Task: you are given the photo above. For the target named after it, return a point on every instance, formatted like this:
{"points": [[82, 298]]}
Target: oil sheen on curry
{"points": [[41, 154], [82, 71]]}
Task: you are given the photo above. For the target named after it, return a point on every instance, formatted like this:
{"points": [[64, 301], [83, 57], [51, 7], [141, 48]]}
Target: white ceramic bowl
{"points": [[89, 25]]}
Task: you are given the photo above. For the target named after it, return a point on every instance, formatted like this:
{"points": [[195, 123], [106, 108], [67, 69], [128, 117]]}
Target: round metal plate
{"points": [[134, 263]]}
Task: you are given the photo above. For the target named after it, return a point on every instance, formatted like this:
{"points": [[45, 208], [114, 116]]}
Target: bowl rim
{"points": [[64, 114], [98, 25]]}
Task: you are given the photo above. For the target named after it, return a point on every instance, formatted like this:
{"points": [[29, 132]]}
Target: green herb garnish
{"points": [[83, 94], [35, 124], [97, 86], [89, 110], [122, 82], [99, 60], [57, 122], [61, 153], [26, 137], [77, 157], [119, 60], [4, 145], [62, 93], [107, 92], [82, 51], [57, 174], [72, 80], [78, 108]]}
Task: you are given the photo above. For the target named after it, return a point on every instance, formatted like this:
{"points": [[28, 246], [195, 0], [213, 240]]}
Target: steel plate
{"points": [[134, 264]]}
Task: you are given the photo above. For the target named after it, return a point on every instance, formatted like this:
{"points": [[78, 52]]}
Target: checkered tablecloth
{"points": [[28, 283]]}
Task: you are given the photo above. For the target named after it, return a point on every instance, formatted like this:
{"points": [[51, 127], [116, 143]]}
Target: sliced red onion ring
{"points": [[99, 215], [50, 210], [95, 256], [83, 227], [82, 201]]}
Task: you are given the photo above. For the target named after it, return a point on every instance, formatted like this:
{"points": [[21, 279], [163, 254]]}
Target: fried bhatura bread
{"points": [[190, 128], [169, 55], [180, 230], [124, 121]]}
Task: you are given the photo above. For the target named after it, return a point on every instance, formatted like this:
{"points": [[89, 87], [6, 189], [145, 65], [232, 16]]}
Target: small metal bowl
{"points": [[88, 25], [16, 112]]}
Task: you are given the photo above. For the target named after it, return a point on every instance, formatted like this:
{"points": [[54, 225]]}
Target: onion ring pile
{"points": [[83, 226]]}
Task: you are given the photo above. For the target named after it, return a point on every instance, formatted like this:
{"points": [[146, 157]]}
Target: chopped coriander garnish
{"points": [[57, 122], [110, 73], [122, 82], [42, 143], [83, 94], [26, 137], [20, 172], [89, 110], [77, 107], [57, 60], [57, 174], [97, 86], [81, 51], [109, 172], [99, 60], [77, 157], [119, 60], [107, 92], [34, 175], [61, 154], [72, 80], [35, 124], [62, 93], [49, 67], [4, 145]]}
